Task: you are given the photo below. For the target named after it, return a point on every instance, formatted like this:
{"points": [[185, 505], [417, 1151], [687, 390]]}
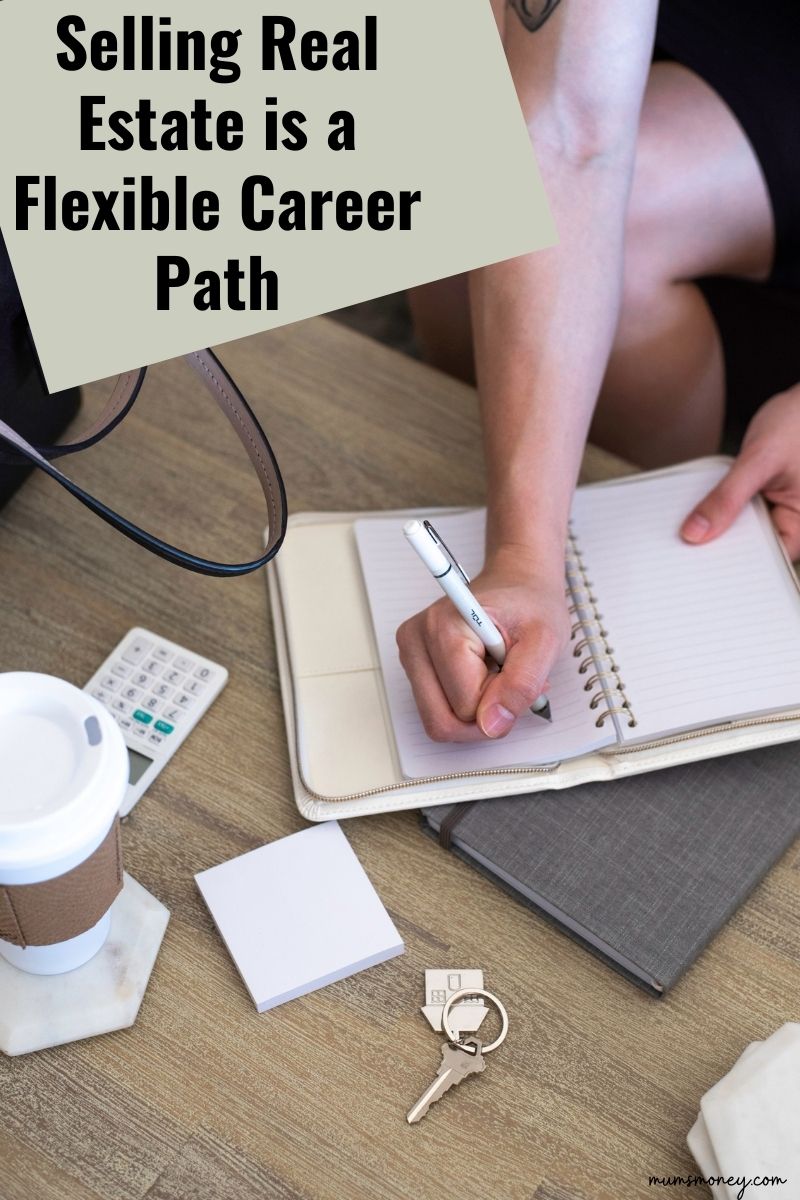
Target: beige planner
{"points": [[677, 652]]}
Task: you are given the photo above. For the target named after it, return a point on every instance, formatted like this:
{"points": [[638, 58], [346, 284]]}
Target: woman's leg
{"points": [[699, 206]]}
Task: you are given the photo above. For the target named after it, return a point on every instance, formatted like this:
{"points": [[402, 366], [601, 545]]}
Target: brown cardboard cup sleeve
{"points": [[41, 914]]}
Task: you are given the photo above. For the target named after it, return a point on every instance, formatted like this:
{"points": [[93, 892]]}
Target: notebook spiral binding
{"points": [[590, 622]]}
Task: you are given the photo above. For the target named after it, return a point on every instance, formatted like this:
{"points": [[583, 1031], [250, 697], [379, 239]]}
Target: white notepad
{"points": [[298, 914], [675, 637]]}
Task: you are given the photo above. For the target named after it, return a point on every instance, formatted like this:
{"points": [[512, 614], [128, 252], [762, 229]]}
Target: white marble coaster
{"points": [[37, 1011], [748, 1121], [699, 1143], [697, 1138]]}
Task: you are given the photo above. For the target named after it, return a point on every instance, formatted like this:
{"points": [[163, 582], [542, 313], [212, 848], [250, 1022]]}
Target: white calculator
{"points": [[157, 692]]}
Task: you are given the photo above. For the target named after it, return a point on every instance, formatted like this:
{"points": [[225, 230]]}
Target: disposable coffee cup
{"points": [[63, 775]]}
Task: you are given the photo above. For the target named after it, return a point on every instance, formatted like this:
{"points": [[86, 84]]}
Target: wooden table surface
{"points": [[203, 1099]]}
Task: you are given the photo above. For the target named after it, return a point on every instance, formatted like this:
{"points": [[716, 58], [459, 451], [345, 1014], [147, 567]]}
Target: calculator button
{"points": [[102, 695], [162, 654], [152, 666], [124, 722], [120, 670], [172, 677], [155, 739], [183, 700], [131, 693], [173, 714], [162, 691], [136, 651], [108, 681], [194, 687], [151, 704], [121, 706], [144, 717], [164, 727], [204, 673], [184, 664], [139, 731]]}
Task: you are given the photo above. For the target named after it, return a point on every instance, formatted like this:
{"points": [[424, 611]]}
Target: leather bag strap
{"points": [[248, 430]]}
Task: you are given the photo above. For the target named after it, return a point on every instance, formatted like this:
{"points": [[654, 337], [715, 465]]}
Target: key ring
{"points": [[456, 996]]}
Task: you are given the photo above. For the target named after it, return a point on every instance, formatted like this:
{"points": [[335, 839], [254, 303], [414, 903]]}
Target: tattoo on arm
{"points": [[533, 13]]}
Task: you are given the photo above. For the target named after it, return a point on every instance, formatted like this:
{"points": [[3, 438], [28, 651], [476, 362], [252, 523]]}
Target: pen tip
{"points": [[545, 712]]}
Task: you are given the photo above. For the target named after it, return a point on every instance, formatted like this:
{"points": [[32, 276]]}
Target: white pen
{"points": [[453, 581]]}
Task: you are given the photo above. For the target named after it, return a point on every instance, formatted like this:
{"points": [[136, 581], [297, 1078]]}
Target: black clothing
{"points": [[750, 55]]}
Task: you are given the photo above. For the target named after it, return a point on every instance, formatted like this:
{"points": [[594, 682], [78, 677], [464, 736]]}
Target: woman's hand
{"points": [[769, 462], [460, 695]]}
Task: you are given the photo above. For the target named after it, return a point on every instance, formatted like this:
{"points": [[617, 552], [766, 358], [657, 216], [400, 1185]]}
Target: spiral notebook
{"points": [[667, 638], [705, 641]]}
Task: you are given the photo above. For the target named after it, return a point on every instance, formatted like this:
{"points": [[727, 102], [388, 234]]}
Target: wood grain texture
{"points": [[208, 1168], [597, 1084], [554, 1191]]}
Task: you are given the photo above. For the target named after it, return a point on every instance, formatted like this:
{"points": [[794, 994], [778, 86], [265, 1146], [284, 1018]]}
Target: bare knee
{"points": [[649, 267], [645, 287]]}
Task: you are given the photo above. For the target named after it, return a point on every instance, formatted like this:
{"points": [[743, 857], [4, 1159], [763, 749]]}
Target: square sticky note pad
{"points": [[298, 914]]}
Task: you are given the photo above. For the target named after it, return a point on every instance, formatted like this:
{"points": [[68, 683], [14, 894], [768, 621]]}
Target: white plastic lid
{"points": [[63, 774]]}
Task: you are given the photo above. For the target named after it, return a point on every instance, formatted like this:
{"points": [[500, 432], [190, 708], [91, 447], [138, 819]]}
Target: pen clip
{"points": [[440, 542]]}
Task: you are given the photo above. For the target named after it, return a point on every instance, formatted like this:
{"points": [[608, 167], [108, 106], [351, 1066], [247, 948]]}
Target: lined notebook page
{"points": [[701, 634], [398, 586]]}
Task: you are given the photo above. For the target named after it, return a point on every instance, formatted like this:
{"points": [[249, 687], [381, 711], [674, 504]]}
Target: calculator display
{"points": [[138, 765]]}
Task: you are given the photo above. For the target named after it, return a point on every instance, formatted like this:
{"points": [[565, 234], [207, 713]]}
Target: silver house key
{"points": [[459, 1058], [458, 1061]]}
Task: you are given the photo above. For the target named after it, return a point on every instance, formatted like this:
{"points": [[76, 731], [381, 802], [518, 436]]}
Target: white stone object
{"points": [[698, 1140], [749, 1121], [103, 995]]}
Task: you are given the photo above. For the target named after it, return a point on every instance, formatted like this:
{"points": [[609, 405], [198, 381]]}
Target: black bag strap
{"points": [[248, 430]]}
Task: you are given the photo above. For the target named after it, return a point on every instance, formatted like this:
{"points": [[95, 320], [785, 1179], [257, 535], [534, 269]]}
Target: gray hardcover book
{"points": [[645, 870]]}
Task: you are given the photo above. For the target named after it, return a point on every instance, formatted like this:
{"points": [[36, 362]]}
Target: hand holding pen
{"points": [[460, 695]]}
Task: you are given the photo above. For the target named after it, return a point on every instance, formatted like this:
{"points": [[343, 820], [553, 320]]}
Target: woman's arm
{"points": [[543, 326], [544, 323]]}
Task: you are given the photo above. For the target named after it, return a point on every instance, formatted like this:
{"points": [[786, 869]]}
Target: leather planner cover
{"points": [[342, 750]]}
